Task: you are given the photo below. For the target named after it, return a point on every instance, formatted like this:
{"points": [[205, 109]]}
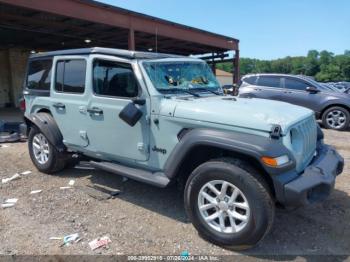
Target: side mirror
{"points": [[312, 89], [130, 113]]}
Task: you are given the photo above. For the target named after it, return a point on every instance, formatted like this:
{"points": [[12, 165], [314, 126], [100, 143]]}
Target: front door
{"points": [[114, 85], [295, 93]]}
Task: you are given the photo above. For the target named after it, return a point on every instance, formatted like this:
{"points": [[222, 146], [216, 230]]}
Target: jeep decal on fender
{"points": [[160, 150]]}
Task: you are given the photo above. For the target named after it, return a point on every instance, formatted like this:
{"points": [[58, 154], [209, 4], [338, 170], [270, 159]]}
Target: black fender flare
{"points": [[245, 144], [48, 126]]}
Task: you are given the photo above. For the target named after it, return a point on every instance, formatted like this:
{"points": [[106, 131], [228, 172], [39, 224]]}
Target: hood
{"points": [[336, 94], [256, 114]]}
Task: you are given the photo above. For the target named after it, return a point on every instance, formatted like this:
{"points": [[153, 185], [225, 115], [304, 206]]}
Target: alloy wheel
{"points": [[336, 119], [41, 148], [223, 206]]}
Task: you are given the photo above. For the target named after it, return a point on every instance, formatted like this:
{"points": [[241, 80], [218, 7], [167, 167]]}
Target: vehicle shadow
{"points": [[320, 229], [165, 201]]}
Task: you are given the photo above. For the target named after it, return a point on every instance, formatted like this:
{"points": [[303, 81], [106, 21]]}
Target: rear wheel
{"points": [[228, 204], [336, 118], [44, 155]]}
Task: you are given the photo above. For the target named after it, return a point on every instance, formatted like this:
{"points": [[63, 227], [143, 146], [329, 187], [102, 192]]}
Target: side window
{"points": [[295, 84], [70, 76], [114, 79], [269, 81], [251, 80], [39, 74]]}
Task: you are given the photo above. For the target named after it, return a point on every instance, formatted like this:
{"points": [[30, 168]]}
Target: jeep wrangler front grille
{"points": [[308, 133]]}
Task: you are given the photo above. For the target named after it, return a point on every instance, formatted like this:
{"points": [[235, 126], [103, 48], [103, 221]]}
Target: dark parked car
{"points": [[332, 107]]}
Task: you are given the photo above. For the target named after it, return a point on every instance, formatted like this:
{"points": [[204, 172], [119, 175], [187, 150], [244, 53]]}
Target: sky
{"points": [[267, 29]]}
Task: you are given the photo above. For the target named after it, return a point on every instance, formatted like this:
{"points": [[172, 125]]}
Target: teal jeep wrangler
{"points": [[163, 119]]}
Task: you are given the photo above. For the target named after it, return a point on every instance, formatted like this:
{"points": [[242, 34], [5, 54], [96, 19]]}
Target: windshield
{"points": [[314, 83], [320, 86], [181, 75], [328, 87]]}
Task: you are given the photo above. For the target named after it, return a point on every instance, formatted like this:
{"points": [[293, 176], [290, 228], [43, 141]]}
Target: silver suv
{"points": [[330, 106]]}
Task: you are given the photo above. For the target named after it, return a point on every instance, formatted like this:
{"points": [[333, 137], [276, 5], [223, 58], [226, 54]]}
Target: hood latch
{"points": [[276, 131]]}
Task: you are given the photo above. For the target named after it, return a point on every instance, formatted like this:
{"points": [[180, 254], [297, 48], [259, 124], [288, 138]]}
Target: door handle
{"points": [[59, 105], [257, 89], [95, 111]]}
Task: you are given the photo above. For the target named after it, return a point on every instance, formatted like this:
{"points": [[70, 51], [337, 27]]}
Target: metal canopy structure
{"points": [[55, 25]]}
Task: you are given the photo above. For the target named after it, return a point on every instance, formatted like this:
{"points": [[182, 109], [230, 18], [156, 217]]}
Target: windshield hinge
{"points": [[276, 131]]}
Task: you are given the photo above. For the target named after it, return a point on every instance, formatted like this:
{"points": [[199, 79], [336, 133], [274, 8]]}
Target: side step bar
{"points": [[155, 179]]}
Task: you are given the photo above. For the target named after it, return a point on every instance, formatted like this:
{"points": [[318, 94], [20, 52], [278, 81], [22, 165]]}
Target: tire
{"points": [[54, 162], [254, 192], [336, 118]]}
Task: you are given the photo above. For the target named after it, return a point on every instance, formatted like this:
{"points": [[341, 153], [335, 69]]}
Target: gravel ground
{"points": [[148, 220]]}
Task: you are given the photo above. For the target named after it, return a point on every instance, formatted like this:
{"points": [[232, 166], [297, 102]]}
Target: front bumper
{"points": [[318, 179]]}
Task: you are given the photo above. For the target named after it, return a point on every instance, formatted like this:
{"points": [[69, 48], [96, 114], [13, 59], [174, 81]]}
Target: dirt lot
{"points": [[148, 220]]}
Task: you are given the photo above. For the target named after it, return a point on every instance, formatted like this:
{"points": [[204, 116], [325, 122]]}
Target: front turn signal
{"points": [[275, 161]]}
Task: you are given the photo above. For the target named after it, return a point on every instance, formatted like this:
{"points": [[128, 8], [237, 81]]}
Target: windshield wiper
{"points": [[181, 90], [206, 89]]}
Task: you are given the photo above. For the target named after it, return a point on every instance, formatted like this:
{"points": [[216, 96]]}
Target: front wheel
{"points": [[228, 205], [44, 155], [336, 118]]}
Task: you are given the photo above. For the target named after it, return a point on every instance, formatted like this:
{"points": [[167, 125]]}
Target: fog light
{"points": [[275, 161]]}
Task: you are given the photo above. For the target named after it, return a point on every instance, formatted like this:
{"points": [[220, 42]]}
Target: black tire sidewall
{"points": [[346, 112], [258, 223], [47, 167]]}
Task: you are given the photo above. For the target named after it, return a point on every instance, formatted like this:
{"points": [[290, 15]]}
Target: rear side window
{"points": [[269, 81], [70, 76], [295, 84], [250, 80], [39, 74], [114, 79]]}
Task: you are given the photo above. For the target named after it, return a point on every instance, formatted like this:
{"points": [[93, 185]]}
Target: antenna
{"points": [[155, 68], [156, 39]]}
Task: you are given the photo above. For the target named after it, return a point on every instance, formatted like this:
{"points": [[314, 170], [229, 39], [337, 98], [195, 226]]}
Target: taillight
{"points": [[22, 104]]}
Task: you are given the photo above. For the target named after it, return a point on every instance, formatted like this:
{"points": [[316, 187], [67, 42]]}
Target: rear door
{"points": [[269, 87], [69, 98]]}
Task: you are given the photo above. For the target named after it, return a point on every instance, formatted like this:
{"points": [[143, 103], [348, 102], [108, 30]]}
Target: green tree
{"points": [[324, 65], [343, 61], [298, 65], [329, 73], [325, 57], [311, 63]]}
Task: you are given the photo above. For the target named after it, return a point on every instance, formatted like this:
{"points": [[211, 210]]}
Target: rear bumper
{"points": [[317, 181]]}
